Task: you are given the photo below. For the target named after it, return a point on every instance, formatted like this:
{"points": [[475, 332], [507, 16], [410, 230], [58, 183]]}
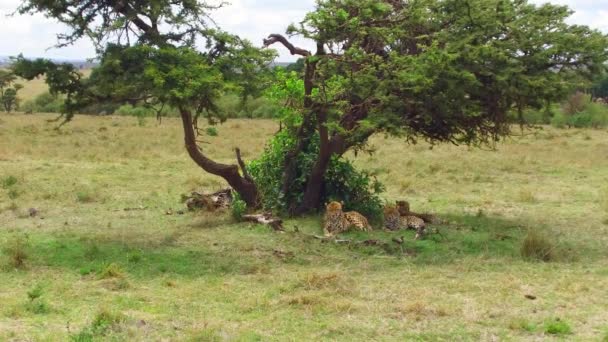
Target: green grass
{"points": [[557, 327], [102, 239]]}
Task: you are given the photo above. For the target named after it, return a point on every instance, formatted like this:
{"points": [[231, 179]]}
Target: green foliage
{"points": [[8, 181], [44, 103], [35, 292], [211, 131], [357, 189], [600, 86], [8, 91], [465, 68], [36, 304], [85, 196], [238, 209], [131, 110], [157, 61], [557, 327], [104, 322], [297, 67], [580, 112]]}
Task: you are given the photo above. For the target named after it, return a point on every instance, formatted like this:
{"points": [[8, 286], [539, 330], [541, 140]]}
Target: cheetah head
{"points": [[403, 206], [333, 206], [390, 210]]}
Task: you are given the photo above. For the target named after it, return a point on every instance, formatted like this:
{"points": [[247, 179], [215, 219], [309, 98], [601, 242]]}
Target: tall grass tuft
{"points": [[537, 246], [104, 322], [16, 251]]}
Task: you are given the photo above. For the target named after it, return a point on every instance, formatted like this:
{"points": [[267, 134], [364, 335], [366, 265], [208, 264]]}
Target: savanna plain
{"points": [[94, 247]]}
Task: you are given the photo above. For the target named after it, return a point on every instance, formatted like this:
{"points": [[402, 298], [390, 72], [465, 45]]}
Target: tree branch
{"points": [[274, 38], [242, 164]]}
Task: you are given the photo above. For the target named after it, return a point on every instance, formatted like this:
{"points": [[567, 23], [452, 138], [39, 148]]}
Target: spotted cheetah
{"points": [[336, 221], [404, 210], [393, 220]]}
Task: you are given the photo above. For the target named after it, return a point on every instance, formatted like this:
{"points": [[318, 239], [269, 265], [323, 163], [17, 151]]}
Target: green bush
{"points": [[343, 182], [239, 208], [44, 103], [557, 327], [129, 110], [580, 112], [559, 120], [8, 181], [211, 131]]}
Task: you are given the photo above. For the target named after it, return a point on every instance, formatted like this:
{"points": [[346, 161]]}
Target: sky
{"points": [[34, 36]]}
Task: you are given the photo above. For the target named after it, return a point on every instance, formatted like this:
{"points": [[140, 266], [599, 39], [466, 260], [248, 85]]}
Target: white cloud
{"points": [[251, 19]]}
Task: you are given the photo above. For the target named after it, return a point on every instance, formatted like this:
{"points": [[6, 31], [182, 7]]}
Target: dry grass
{"points": [[200, 276], [537, 246]]}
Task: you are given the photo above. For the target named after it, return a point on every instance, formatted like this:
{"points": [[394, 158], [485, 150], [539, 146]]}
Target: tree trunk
{"points": [[312, 194], [243, 185], [327, 147]]}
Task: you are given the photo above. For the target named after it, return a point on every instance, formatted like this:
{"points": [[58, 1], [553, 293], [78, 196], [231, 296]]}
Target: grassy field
{"points": [[102, 260], [31, 89]]}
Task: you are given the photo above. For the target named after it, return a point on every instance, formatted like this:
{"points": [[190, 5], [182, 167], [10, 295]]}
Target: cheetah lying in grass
{"points": [[393, 220], [337, 221]]}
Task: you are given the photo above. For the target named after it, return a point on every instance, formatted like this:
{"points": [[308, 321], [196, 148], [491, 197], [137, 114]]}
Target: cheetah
{"points": [[336, 221], [404, 210], [393, 220]]}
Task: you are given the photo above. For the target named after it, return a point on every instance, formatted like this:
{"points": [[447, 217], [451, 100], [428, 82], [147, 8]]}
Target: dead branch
{"points": [[267, 219], [274, 38]]}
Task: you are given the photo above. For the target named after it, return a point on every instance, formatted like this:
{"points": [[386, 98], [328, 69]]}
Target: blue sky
{"points": [[251, 19]]}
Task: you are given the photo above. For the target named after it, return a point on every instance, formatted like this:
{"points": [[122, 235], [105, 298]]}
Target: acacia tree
{"points": [[9, 90], [155, 53], [438, 70]]}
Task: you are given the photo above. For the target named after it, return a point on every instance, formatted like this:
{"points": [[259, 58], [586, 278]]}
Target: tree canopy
{"points": [[440, 70], [154, 53]]}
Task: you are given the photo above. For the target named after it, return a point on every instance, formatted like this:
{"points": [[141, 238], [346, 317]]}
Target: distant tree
{"points": [[9, 90], [600, 87], [298, 66], [437, 70], [148, 54]]}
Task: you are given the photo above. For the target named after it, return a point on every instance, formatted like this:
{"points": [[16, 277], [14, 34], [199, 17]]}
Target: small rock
{"points": [[530, 297]]}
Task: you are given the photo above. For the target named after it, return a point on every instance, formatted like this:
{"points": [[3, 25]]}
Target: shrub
{"points": [[44, 103], [537, 246], [575, 103], [239, 208], [85, 196], [104, 322], [17, 252], [35, 292], [13, 194], [359, 190], [211, 131], [557, 327], [35, 303], [129, 110], [580, 112], [559, 120], [9, 181], [38, 306]]}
